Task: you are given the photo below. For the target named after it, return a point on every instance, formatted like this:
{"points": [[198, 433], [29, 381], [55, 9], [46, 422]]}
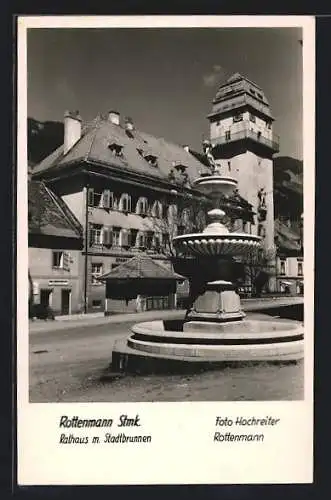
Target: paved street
{"points": [[71, 365]]}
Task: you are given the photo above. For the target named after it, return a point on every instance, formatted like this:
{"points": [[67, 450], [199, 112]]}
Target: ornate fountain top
{"points": [[207, 149]]}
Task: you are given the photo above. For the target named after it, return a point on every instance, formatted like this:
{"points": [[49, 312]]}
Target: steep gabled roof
{"points": [[93, 148], [48, 215]]}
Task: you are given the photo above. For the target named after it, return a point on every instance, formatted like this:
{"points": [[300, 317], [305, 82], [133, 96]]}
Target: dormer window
{"points": [[142, 206], [116, 149], [180, 168], [171, 175], [152, 159], [125, 204]]}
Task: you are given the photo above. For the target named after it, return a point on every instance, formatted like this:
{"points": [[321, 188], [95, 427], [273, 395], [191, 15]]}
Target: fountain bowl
{"points": [[209, 345], [209, 243]]}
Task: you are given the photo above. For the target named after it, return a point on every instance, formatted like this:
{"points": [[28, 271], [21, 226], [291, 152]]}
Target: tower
{"points": [[241, 133]]}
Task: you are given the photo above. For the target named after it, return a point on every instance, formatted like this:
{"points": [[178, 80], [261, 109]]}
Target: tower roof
{"points": [[238, 91]]}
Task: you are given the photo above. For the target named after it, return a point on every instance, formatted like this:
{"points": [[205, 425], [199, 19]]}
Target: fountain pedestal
{"points": [[218, 302]]}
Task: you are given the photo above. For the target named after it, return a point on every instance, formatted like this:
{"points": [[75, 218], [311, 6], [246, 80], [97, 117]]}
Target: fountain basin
{"points": [[231, 244], [211, 344]]}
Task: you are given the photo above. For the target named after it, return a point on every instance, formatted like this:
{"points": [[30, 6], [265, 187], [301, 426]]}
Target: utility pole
{"points": [[86, 249]]}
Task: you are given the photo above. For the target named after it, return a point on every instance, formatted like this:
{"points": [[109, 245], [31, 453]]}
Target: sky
{"points": [[164, 79]]}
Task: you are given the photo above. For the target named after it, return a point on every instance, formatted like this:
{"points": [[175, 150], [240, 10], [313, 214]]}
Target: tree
{"points": [[258, 267], [184, 213]]}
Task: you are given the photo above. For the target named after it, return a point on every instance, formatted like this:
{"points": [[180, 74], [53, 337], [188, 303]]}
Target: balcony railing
{"points": [[125, 250], [246, 133]]}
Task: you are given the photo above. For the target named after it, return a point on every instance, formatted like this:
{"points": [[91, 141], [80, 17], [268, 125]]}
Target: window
{"points": [[96, 234], [260, 96], [116, 149], [149, 239], [300, 269], [126, 203], [227, 135], [132, 237], [58, 259], [151, 159], [100, 199], [157, 242], [116, 236], [142, 206], [261, 230], [165, 239], [229, 165], [269, 124], [157, 209], [141, 240], [96, 272], [238, 118], [252, 118], [282, 267], [172, 212], [94, 198], [107, 199], [96, 303]]}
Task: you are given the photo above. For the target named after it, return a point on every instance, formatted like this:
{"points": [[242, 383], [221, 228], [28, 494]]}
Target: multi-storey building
{"points": [[241, 133], [123, 186], [55, 245]]}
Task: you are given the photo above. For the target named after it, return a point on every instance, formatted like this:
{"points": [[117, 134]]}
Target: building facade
{"points": [[130, 191], [55, 244]]}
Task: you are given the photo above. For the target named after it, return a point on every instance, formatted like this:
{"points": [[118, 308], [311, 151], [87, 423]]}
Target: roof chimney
{"points": [[129, 124], [72, 129], [114, 117]]}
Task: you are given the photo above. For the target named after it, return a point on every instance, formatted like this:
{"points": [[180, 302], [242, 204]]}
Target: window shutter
{"points": [[90, 197], [90, 234], [106, 198], [107, 236], [124, 238], [66, 261]]}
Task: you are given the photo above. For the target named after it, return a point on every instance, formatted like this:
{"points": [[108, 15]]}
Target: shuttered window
{"points": [[107, 199]]}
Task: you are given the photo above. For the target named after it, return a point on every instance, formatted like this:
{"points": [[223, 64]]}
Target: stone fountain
{"points": [[215, 330]]}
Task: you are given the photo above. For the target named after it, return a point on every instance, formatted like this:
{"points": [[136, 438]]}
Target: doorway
{"points": [[65, 302], [45, 294]]}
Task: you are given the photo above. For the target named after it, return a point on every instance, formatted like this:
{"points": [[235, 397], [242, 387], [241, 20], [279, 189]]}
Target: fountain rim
{"points": [[218, 236], [225, 178]]}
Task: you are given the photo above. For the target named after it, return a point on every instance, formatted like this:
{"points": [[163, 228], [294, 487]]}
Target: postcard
{"points": [[165, 249]]}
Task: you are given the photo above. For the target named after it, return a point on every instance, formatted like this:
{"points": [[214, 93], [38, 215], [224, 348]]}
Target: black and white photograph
{"points": [[165, 214], [166, 206]]}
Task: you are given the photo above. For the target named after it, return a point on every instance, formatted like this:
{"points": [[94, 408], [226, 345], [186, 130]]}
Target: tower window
{"points": [[227, 135], [238, 118], [252, 118], [229, 165]]}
